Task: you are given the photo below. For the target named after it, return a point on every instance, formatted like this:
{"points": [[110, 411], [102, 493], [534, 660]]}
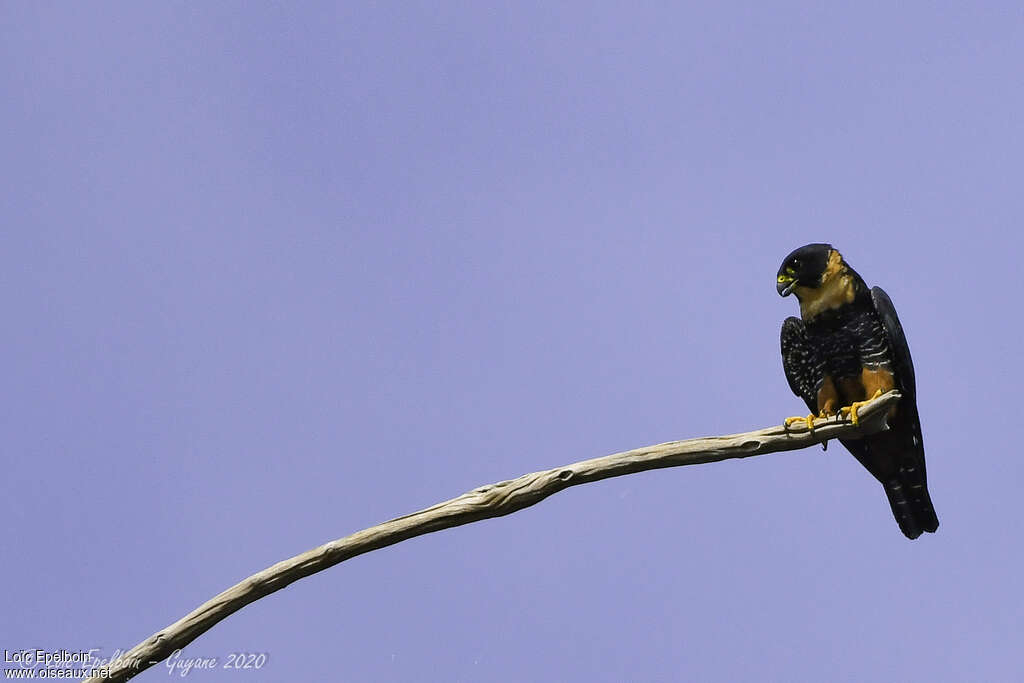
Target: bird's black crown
{"points": [[803, 267]]}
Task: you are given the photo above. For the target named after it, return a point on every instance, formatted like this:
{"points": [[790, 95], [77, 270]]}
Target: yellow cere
{"points": [[785, 278]]}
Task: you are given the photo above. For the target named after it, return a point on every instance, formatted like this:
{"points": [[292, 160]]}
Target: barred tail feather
{"points": [[911, 506], [896, 459]]}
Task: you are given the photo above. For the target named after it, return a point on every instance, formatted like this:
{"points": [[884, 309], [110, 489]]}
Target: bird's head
{"points": [[805, 268], [820, 278]]}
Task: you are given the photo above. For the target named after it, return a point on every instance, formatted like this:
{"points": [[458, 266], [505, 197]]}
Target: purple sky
{"points": [[270, 276]]}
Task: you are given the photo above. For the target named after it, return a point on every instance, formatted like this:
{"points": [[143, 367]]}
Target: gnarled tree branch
{"points": [[492, 500]]}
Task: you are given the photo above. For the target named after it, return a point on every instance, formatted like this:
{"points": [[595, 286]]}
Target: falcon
{"points": [[846, 348]]}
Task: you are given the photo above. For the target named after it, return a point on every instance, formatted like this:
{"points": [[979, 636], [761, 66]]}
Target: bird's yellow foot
{"points": [[852, 409], [809, 420]]}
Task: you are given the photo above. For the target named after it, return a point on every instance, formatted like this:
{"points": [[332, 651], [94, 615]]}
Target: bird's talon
{"points": [[852, 409], [808, 420]]}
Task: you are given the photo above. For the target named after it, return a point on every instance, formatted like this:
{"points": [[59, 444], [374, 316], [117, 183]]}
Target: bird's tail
{"points": [[896, 459], [908, 497]]}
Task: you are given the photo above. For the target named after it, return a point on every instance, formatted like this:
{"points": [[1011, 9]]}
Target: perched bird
{"points": [[846, 348]]}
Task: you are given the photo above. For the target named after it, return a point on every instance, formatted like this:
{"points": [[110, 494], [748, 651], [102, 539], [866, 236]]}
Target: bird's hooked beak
{"points": [[785, 284]]}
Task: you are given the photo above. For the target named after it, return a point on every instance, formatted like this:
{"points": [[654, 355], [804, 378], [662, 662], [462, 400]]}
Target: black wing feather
{"points": [[800, 362], [896, 456], [903, 366]]}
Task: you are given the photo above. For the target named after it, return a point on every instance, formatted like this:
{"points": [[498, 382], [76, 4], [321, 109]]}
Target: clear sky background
{"points": [[271, 274]]}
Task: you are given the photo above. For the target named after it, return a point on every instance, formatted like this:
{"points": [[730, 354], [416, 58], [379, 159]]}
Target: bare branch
{"points": [[492, 500]]}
